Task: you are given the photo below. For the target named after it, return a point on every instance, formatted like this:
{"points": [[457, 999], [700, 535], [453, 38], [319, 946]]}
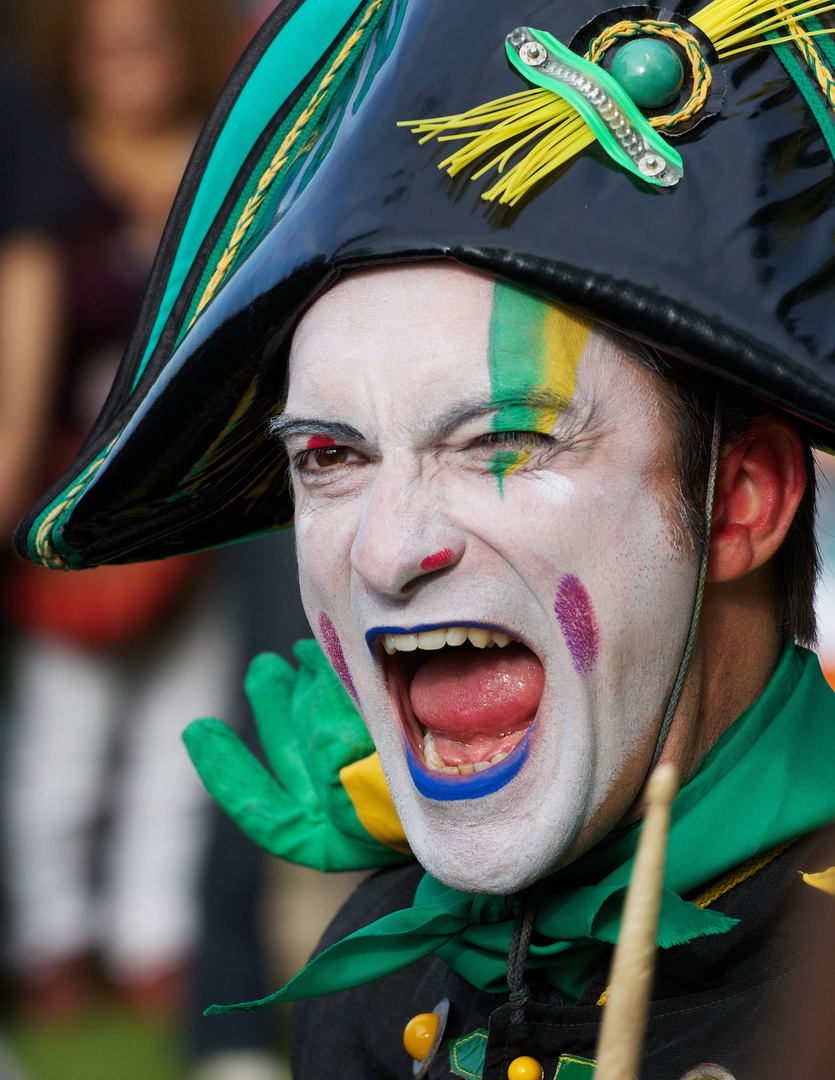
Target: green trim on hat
{"points": [[808, 87], [824, 42], [280, 164], [294, 53]]}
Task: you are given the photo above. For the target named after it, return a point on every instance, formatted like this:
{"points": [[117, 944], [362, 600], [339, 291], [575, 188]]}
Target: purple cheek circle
{"points": [[333, 647], [443, 788], [575, 615]]}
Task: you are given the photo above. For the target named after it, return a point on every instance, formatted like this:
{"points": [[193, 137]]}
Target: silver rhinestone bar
{"points": [[647, 160]]}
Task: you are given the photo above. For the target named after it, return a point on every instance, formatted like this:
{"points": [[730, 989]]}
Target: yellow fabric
{"points": [[367, 789], [825, 880]]}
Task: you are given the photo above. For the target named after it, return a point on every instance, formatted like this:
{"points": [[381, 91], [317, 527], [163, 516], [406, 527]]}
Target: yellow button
{"points": [[524, 1068], [419, 1034]]}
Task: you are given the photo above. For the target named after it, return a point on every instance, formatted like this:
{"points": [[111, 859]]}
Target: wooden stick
{"points": [[625, 1014]]}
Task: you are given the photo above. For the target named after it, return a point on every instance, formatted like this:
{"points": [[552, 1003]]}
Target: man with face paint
{"points": [[534, 460], [543, 420]]}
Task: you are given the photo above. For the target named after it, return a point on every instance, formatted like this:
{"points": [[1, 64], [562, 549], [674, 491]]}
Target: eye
{"points": [[521, 441], [322, 458], [511, 439], [511, 450]]}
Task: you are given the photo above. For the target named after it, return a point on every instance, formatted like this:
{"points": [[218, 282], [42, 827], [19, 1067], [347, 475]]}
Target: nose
{"points": [[404, 536]]}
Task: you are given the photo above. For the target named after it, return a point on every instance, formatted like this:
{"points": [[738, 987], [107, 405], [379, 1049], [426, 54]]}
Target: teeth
{"points": [[432, 640], [436, 763], [433, 759], [393, 643]]}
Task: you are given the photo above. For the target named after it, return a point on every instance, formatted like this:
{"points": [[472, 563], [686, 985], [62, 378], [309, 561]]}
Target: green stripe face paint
{"points": [[533, 351]]}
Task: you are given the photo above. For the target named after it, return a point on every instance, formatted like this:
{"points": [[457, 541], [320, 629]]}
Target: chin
{"points": [[502, 841], [490, 868], [494, 853]]}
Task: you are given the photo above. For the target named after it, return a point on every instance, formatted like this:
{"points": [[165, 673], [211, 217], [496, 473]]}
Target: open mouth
{"points": [[468, 697]]}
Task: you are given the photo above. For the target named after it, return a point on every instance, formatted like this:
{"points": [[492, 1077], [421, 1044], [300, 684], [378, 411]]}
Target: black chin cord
{"points": [[520, 943], [700, 587]]}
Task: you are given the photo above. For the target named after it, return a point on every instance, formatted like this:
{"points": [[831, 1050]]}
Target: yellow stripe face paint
{"points": [[533, 351]]}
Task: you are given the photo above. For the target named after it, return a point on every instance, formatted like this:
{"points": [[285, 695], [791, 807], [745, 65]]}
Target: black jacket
{"points": [[726, 999]]}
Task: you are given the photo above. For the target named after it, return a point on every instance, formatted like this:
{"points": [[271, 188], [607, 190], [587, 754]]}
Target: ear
{"points": [[759, 485]]}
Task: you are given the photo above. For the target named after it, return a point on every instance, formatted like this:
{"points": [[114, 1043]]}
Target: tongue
{"points": [[477, 702]]}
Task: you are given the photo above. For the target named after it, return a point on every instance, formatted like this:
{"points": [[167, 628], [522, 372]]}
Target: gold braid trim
{"points": [[803, 40], [746, 870], [279, 161], [43, 540], [699, 69], [726, 883]]}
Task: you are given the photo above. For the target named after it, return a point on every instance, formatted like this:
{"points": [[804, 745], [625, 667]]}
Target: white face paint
{"points": [[405, 391]]}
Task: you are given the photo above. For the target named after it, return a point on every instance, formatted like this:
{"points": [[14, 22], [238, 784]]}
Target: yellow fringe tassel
{"points": [[513, 122], [516, 120]]}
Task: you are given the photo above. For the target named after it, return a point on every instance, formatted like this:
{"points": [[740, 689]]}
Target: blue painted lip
{"points": [[443, 788], [377, 631]]}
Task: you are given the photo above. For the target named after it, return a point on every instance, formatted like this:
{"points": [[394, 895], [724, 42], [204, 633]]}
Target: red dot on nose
{"points": [[319, 442], [438, 560]]}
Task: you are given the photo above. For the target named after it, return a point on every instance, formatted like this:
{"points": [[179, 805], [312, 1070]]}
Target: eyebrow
{"points": [[284, 425], [542, 400]]}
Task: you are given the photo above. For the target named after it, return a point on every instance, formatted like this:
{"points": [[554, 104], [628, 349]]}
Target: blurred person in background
{"points": [[41, 193], [243, 893], [107, 669], [30, 297]]}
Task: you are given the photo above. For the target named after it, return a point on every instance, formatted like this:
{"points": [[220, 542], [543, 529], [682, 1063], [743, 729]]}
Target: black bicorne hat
{"points": [[666, 171]]}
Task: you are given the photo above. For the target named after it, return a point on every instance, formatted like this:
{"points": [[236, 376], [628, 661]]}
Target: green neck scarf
{"points": [[766, 780]]}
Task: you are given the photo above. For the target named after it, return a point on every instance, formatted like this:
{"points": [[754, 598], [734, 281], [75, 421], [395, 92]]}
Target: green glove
{"points": [[310, 730]]}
